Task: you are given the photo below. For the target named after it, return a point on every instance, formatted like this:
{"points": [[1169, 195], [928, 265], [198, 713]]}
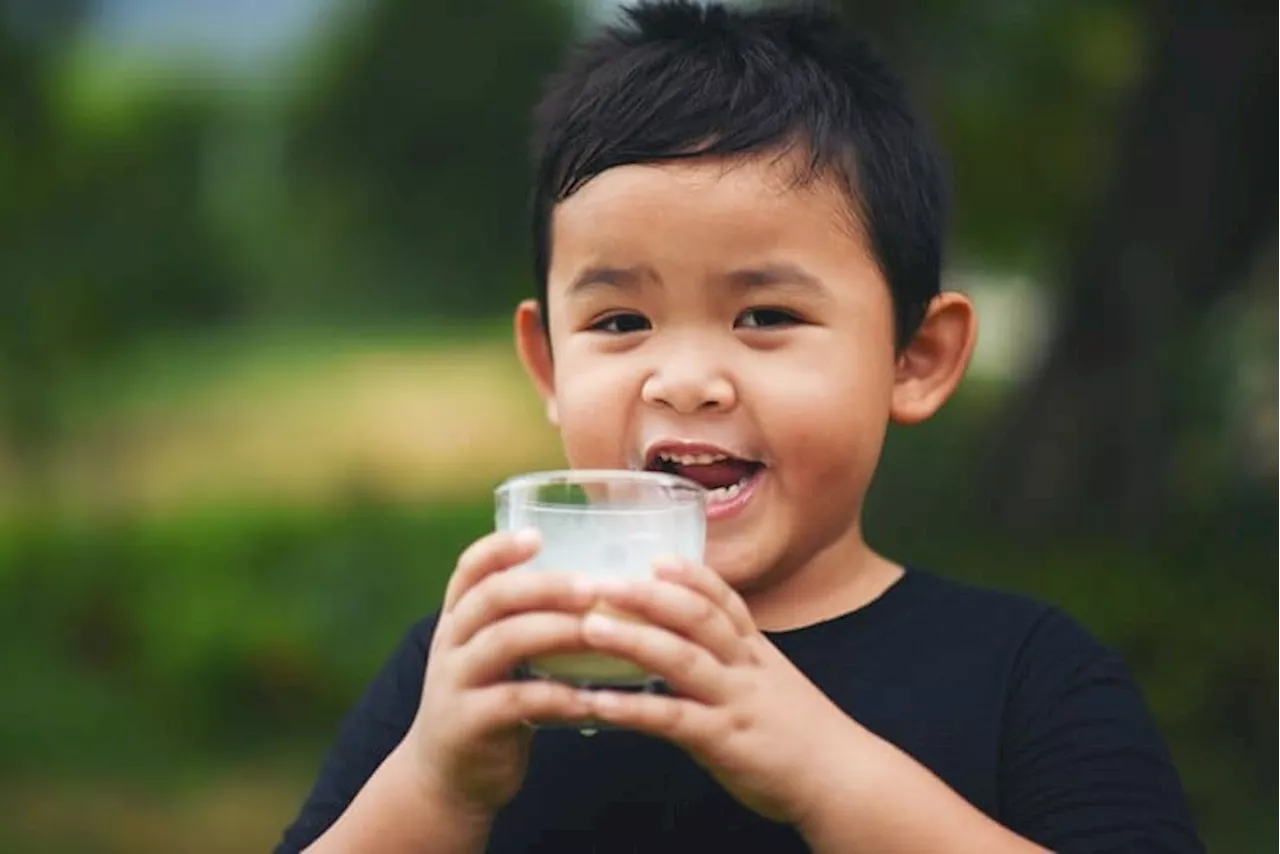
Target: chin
{"points": [[737, 563]]}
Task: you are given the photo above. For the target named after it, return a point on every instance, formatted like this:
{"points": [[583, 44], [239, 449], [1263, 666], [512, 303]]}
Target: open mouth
{"points": [[723, 476]]}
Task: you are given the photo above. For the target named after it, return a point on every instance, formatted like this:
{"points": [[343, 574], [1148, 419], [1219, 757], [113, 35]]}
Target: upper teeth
{"points": [[691, 459]]}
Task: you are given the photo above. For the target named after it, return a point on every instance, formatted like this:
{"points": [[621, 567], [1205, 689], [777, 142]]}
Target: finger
{"points": [[497, 649], [709, 583], [688, 723], [681, 609], [505, 593], [487, 555], [513, 703], [688, 668]]}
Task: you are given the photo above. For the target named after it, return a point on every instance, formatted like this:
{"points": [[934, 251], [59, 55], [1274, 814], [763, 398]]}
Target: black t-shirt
{"points": [[1010, 702]]}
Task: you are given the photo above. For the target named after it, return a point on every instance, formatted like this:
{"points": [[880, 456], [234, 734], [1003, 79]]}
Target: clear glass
{"points": [[603, 523]]}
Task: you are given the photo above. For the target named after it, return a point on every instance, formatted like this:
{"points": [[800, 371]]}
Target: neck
{"points": [[845, 576]]}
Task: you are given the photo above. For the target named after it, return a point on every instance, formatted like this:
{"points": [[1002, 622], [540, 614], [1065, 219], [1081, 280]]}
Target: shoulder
{"points": [[1081, 762], [975, 599], [963, 609], [1045, 634], [1037, 648]]}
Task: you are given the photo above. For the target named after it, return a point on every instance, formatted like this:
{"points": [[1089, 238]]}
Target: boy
{"points": [[737, 234]]}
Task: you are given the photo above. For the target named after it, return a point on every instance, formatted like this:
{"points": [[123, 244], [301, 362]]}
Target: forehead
{"points": [[686, 211]]}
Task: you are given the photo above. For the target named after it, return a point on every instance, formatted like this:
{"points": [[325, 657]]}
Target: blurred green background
{"points": [[256, 260]]}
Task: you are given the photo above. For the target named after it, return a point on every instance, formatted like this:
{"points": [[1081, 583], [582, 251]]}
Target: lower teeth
{"points": [[724, 493]]}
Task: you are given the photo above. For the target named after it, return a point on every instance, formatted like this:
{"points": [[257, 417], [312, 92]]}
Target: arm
{"points": [[395, 812], [877, 798], [1081, 769]]}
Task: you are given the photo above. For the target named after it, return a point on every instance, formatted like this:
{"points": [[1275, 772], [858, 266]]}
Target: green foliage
{"points": [[1024, 98], [417, 154], [223, 628]]}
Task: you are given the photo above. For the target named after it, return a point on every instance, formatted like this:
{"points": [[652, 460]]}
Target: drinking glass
{"points": [[602, 523]]}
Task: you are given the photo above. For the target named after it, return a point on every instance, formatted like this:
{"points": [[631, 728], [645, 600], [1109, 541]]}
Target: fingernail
{"points": [[528, 537], [668, 563], [604, 700], [613, 584], [598, 624]]}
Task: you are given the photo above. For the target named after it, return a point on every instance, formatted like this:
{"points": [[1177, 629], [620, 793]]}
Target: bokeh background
{"points": [[256, 263]]}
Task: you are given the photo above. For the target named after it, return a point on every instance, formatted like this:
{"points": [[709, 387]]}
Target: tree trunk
{"points": [[1089, 442]]}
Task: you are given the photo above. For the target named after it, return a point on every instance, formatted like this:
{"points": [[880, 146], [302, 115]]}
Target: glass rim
{"points": [[682, 485]]}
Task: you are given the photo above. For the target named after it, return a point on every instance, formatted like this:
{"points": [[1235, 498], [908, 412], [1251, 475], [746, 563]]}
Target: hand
{"points": [[469, 738], [743, 711]]}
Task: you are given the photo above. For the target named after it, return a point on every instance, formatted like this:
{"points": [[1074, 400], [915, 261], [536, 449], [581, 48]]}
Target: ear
{"points": [[933, 364], [534, 346]]}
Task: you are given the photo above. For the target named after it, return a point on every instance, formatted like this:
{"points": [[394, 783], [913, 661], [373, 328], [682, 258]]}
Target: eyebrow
{"points": [[788, 276], [783, 275], [621, 278]]}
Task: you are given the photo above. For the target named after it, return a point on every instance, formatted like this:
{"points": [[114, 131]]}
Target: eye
{"points": [[766, 318], [621, 324]]}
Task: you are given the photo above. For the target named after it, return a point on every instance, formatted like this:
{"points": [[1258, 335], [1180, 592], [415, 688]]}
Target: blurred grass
{"points": [[297, 418], [175, 369], [236, 810]]}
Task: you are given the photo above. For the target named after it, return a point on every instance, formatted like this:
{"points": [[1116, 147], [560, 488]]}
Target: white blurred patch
{"points": [[1014, 322], [228, 35]]}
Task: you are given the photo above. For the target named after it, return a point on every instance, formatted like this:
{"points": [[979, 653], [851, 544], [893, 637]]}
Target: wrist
{"points": [[872, 796], [840, 785], [434, 792]]}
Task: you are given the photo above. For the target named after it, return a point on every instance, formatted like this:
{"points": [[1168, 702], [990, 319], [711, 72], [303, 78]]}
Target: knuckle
{"points": [[542, 588], [515, 591], [523, 634], [535, 697], [490, 596], [722, 594], [511, 694], [503, 634], [687, 657], [703, 610], [561, 588], [739, 720], [673, 715], [542, 693]]}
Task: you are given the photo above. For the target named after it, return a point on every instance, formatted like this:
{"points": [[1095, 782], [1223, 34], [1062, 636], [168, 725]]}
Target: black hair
{"points": [[678, 80]]}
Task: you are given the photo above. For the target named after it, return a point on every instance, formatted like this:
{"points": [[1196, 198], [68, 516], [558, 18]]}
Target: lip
{"points": [[718, 511]]}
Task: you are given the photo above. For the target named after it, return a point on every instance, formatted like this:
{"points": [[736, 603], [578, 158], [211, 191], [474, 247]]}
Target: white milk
{"points": [[600, 542]]}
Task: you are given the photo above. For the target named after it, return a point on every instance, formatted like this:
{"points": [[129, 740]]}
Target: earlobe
{"points": [[534, 346], [932, 365]]}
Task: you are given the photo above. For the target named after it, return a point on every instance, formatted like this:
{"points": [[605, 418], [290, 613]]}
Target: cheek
{"points": [[828, 424], [594, 402]]}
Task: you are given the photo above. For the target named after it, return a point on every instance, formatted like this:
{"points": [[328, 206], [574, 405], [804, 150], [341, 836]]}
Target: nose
{"points": [[689, 382]]}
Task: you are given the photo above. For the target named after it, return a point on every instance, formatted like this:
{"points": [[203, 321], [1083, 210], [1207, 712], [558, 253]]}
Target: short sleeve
{"points": [[1082, 767], [369, 732]]}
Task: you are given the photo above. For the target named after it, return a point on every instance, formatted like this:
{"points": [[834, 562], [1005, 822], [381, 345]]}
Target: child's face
{"points": [[720, 305]]}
